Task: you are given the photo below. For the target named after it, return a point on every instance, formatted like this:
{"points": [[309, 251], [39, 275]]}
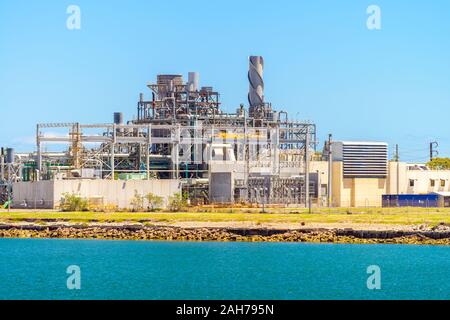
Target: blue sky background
{"points": [[321, 63]]}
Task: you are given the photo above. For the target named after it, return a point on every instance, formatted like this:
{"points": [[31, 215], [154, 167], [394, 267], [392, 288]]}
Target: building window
{"points": [[432, 182], [411, 182], [442, 183]]}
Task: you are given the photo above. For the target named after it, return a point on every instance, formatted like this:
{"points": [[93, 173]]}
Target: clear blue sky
{"points": [[321, 63]]}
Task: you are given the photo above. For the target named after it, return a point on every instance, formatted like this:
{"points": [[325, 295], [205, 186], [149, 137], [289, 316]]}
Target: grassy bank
{"points": [[390, 216]]}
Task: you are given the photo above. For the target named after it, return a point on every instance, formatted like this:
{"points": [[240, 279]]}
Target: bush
{"points": [[137, 202], [73, 202], [177, 202], [154, 201]]}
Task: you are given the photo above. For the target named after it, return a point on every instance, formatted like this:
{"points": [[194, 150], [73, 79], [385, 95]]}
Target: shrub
{"points": [[177, 202], [137, 202], [154, 201], [73, 202]]}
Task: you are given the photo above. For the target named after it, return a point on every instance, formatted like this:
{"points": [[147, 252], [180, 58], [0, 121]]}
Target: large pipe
{"points": [[10, 154], [256, 83], [193, 81], [118, 118]]}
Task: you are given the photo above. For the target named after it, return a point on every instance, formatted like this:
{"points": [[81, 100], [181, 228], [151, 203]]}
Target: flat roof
{"points": [[364, 142], [443, 193]]}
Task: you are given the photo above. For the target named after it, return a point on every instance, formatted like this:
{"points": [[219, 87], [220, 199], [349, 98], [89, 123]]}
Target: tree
{"points": [[439, 164], [154, 201]]}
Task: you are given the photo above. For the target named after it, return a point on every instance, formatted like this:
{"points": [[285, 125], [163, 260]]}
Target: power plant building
{"points": [[181, 133], [182, 141]]}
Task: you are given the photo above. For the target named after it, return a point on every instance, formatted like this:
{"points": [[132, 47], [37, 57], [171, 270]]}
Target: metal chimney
{"points": [[255, 78], [118, 117], [10, 154], [193, 81]]}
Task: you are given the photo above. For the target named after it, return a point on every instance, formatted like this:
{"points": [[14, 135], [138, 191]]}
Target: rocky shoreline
{"points": [[437, 236]]}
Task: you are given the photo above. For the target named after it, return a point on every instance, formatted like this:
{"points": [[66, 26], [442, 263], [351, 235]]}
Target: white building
{"points": [[407, 178]]}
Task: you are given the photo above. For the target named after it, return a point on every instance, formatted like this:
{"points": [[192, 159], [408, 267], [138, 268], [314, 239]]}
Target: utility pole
{"points": [[319, 187], [2, 165], [147, 153], [397, 159], [307, 142], [330, 171], [39, 154], [9, 184], [433, 151], [112, 153]]}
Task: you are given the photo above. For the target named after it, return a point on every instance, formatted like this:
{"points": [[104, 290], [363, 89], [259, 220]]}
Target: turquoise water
{"points": [[36, 269]]}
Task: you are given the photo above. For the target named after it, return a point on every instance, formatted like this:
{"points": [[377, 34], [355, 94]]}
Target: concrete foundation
{"points": [[48, 194]]}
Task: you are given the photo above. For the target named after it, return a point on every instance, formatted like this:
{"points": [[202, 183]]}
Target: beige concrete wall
{"points": [[367, 192], [35, 194], [341, 189], [397, 177], [322, 167], [356, 192], [113, 192]]}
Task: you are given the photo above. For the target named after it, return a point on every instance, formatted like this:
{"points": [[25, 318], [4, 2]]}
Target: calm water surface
{"points": [[36, 269]]}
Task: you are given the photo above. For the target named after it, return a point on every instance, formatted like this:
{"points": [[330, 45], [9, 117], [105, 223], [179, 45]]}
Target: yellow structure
{"points": [[360, 173], [318, 173], [356, 192], [402, 178]]}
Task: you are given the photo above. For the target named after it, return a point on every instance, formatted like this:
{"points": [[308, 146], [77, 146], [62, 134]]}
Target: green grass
{"points": [[393, 216]]}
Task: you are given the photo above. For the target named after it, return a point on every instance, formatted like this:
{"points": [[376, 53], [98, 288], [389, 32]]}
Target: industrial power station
{"points": [[181, 141], [182, 136]]}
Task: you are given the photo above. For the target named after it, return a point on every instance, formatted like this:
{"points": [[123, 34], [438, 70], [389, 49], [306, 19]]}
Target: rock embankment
{"points": [[140, 232]]}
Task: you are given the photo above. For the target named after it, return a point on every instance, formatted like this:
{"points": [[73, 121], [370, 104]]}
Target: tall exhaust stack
{"points": [[193, 81], [255, 78]]}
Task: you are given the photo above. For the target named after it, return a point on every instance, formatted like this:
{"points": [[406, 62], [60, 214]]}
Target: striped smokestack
{"points": [[255, 78]]}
